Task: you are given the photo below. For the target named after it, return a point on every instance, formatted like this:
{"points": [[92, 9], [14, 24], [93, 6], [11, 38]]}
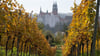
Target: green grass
{"points": [[97, 53], [58, 52], [3, 52]]}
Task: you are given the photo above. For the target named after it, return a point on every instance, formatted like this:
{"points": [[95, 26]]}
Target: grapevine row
{"points": [[18, 29], [81, 29]]}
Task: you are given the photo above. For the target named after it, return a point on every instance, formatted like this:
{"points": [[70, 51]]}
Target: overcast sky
{"points": [[63, 5]]}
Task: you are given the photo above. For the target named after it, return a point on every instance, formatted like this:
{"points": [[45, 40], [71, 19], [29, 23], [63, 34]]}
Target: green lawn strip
{"points": [[97, 53], [58, 52]]}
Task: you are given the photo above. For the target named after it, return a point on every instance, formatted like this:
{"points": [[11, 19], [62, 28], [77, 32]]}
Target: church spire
{"points": [[55, 8], [40, 10]]}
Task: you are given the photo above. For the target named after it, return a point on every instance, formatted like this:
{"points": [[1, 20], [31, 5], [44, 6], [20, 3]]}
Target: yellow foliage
{"points": [[81, 28], [20, 26]]}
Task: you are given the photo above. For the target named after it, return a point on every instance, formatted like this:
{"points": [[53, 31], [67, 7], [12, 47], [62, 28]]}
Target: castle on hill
{"points": [[54, 21]]}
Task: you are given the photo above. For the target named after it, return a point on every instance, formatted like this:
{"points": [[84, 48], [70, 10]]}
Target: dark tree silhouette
{"points": [[12, 46], [7, 44], [21, 48], [95, 30], [82, 49]]}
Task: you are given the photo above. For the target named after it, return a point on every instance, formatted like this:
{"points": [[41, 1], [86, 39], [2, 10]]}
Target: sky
{"points": [[63, 5]]}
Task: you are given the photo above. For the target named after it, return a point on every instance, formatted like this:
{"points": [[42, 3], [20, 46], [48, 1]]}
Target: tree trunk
{"points": [[97, 46], [12, 46], [82, 49], [29, 50], [36, 52], [78, 49], [0, 46], [0, 38], [24, 49], [18, 46], [95, 31], [75, 51], [71, 52], [87, 48], [21, 48], [7, 44]]}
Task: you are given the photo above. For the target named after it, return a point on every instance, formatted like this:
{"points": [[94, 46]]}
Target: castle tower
{"points": [[55, 9], [40, 10]]}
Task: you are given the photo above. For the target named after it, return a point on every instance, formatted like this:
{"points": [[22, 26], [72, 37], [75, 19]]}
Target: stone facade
{"points": [[54, 21]]}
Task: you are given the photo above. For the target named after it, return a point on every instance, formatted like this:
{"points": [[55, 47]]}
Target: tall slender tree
{"points": [[95, 30]]}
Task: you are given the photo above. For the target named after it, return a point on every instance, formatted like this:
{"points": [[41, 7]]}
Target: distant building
{"points": [[99, 21], [54, 21], [99, 16]]}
